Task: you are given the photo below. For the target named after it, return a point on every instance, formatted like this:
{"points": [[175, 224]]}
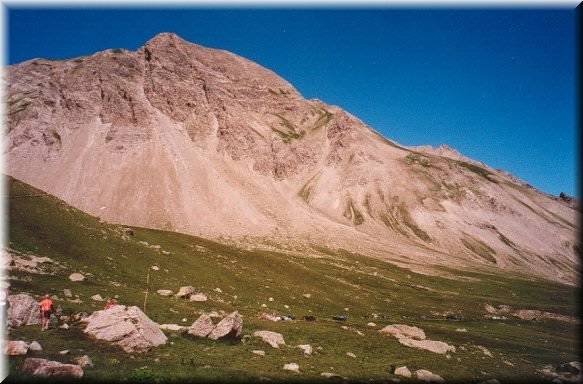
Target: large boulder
{"points": [[127, 327], [16, 348], [23, 310], [53, 369], [231, 325], [202, 327], [272, 338]]}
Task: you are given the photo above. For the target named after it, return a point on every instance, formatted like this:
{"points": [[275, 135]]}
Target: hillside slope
{"points": [[195, 140], [117, 260]]}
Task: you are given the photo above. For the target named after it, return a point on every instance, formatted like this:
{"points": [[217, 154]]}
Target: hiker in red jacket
{"points": [[46, 309]]}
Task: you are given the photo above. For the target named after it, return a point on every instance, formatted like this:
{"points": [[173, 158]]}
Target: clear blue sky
{"points": [[498, 85]]}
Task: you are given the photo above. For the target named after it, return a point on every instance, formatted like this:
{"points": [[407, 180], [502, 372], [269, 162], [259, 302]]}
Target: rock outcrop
{"points": [[127, 327]]}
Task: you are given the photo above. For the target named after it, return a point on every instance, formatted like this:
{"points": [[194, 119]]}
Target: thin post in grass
{"points": [[147, 290]]}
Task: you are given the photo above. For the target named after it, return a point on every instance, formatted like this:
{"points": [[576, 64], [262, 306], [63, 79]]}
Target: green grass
{"points": [[336, 279]]}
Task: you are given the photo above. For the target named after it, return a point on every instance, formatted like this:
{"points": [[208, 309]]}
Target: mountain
{"points": [[180, 137]]}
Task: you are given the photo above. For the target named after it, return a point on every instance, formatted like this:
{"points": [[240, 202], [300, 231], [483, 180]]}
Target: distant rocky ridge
{"points": [[196, 140]]}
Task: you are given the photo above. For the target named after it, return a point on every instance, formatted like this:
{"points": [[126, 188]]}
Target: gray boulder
{"points": [[231, 325], [127, 327], [23, 310]]}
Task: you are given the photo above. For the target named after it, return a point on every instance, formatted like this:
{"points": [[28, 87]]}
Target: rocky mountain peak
{"points": [[199, 140]]}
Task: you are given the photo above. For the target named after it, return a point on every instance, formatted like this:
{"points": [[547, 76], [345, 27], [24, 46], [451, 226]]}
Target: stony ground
{"points": [[323, 283]]}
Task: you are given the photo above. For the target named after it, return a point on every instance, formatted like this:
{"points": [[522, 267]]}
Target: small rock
{"points": [[16, 348], [329, 375], [272, 338], [310, 318], [307, 348], [371, 324], [64, 352], [76, 277], [83, 361], [270, 317], [172, 327], [258, 352], [218, 290], [185, 292], [403, 371], [340, 317], [184, 320], [485, 350], [428, 376], [307, 295], [270, 299], [350, 354], [461, 330], [164, 292], [198, 297], [286, 306], [292, 367], [155, 268], [35, 346], [263, 305], [67, 292], [64, 326]]}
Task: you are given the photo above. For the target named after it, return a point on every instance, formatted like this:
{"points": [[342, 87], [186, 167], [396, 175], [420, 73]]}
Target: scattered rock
{"points": [[155, 268], [67, 292], [231, 325], [272, 338], [258, 352], [22, 310], [270, 317], [83, 361], [64, 326], [185, 292], [403, 331], [403, 371], [485, 350], [35, 346], [350, 354], [429, 345], [202, 326], [292, 367], [173, 327], [97, 297], [428, 376], [64, 352], [218, 290], [307, 348], [461, 330], [415, 337], [340, 317], [330, 375], [16, 348], [371, 324], [76, 277], [307, 295], [198, 297], [164, 292], [127, 327], [54, 369], [270, 299]]}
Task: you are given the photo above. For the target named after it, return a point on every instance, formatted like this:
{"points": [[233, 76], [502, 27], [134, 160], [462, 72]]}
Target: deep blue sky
{"points": [[498, 85]]}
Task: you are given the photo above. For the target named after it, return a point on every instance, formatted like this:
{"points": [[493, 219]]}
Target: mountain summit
{"points": [[190, 139]]}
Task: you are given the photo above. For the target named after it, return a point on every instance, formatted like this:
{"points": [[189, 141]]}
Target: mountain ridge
{"points": [[181, 137]]}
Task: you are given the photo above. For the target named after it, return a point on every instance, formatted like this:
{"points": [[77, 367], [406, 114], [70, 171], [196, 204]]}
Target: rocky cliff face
{"points": [[197, 140]]}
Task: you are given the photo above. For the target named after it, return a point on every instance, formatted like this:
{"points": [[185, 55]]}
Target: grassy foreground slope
{"points": [[337, 282]]}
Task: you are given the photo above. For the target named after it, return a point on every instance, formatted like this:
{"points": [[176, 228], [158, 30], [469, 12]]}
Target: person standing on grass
{"points": [[46, 309]]}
